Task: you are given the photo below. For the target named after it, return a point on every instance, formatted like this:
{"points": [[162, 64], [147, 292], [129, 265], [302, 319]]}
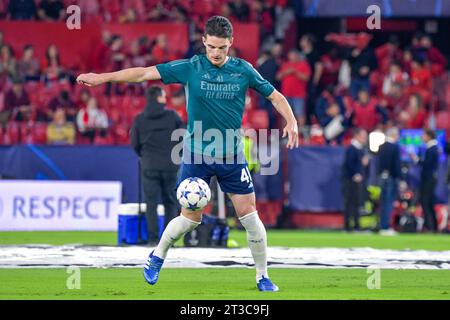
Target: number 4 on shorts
{"points": [[245, 175]]}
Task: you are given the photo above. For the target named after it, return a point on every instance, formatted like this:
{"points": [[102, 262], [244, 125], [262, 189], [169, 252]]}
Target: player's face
{"points": [[217, 49]]}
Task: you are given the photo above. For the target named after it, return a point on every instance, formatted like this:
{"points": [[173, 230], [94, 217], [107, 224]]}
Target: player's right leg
{"points": [[187, 221]]}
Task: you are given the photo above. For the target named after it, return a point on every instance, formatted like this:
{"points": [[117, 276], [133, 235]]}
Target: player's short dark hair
{"points": [[154, 92], [430, 133], [218, 26]]}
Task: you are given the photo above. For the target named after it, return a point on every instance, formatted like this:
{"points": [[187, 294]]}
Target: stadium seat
{"points": [[39, 133], [12, 133]]}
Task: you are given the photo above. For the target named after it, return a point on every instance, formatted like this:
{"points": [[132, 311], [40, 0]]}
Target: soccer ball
{"points": [[193, 193]]}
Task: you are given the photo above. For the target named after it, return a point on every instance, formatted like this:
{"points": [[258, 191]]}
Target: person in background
{"points": [[362, 61], [63, 101], [268, 65], [22, 10], [428, 178], [414, 117], [307, 44], [52, 68], [17, 102], [8, 63], [29, 67], [437, 60], [367, 112], [51, 10], [353, 179], [59, 131], [294, 76], [92, 120], [389, 172], [332, 115], [159, 173]]}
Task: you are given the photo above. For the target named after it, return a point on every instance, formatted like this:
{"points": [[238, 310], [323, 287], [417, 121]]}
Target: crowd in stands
{"points": [[333, 85], [352, 84]]}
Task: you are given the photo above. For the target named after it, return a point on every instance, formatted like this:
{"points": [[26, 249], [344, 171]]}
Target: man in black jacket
{"points": [[389, 171], [353, 178], [428, 179], [151, 139]]}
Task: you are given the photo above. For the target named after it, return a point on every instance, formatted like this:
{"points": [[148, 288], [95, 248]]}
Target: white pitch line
{"points": [[46, 256]]}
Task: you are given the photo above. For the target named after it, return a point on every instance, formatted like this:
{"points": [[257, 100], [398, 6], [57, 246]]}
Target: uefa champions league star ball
{"points": [[193, 193]]}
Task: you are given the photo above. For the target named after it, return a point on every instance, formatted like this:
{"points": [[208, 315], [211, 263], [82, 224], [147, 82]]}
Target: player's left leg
{"points": [[245, 207]]}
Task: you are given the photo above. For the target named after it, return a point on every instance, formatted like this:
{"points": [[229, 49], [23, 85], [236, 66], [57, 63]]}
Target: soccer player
{"points": [[215, 86]]}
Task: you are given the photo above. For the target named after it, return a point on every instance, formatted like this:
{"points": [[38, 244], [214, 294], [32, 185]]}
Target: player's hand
{"points": [[291, 130], [89, 79]]}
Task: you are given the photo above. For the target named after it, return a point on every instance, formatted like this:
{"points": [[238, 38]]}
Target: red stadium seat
{"points": [[12, 133], [39, 133]]}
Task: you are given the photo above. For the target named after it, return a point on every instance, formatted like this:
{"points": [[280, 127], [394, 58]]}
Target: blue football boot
{"points": [[264, 284], [152, 268]]}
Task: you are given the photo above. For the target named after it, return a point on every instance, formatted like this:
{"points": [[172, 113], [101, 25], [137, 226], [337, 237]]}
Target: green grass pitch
{"points": [[231, 283]]}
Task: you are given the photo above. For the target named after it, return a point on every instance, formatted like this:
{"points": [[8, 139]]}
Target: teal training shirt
{"points": [[215, 98]]}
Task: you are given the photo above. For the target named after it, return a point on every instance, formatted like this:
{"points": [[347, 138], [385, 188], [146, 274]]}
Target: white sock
{"points": [[257, 241], [176, 228]]}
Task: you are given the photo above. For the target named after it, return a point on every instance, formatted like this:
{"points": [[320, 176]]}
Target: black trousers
{"points": [[159, 185], [426, 190], [353, 194]]}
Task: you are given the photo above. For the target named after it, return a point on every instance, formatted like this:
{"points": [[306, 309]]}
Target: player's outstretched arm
{"points": [[282, 106], [139, 74]]}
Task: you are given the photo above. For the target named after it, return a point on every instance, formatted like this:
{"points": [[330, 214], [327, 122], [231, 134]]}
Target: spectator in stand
{"points": [[294, 76], [8, 63], [100, 54], [51, 10], [406, 61], [437, 60], [262, 15], [268, 66], [83, 98], [307, 44], [367, 112], [117, 55], [353, 173], [62, 101], [92, 121], [90, 10], [414, 117], [330, 64], [52, 68], [417, 50], [394, 101], [178, 103], [28, 67], [59, 131], [22, 10], [388, 53], [332, 115], [389, 172], [17, 102], [161, 51], [362, 61], [130, 16], [2, 39], [240, 9], [134, 56], [428, 179], [421, 81], [395, 75]]}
